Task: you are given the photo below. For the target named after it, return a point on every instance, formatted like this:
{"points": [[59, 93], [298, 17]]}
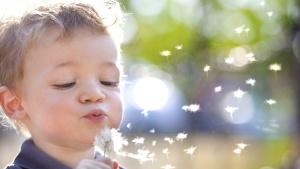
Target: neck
{"points": [[66, 155]]}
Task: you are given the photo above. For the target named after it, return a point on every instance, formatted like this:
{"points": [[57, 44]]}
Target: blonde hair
{"points": [[19, 33]]}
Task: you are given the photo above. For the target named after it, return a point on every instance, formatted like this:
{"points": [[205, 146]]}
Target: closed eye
{"points": [[64, 86], [110, 84]]}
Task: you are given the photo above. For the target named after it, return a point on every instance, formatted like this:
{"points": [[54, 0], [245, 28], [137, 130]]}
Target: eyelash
{"points": [[64, 86], [110, 84], [69, 85]]}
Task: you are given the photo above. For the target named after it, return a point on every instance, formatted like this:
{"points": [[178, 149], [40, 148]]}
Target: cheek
{"points": [[118, 113]]}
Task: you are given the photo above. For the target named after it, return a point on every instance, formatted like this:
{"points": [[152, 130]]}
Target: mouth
{"points": [[96, 115]]}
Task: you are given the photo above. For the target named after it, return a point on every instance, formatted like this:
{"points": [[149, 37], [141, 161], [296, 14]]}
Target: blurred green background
{"points": [[181, 54]]}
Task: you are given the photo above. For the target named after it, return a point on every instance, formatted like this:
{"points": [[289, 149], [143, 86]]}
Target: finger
{"points": [[106, 161], [116, 164]]}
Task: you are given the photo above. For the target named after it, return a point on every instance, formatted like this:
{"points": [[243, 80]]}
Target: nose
{"points": [[92, 94]]}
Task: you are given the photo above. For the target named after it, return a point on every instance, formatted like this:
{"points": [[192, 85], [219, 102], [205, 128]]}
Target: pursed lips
{"points": [[96, 115]]}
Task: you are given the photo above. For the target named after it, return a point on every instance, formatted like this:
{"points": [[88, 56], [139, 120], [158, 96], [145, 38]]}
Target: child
{"points": [[59, 75]]}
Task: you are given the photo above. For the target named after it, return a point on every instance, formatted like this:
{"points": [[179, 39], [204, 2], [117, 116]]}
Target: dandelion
{"points": [[251, 82], [231, 110], [239, 93], [181, 136], [218, 89], [191, 108], [167, 166], [206, 68], [178, 47], [247, 30], [190, 151], [103, 140], [138, 140]]}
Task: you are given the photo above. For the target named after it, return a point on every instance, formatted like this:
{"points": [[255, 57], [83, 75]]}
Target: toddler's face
{"points": [[70, 88]]}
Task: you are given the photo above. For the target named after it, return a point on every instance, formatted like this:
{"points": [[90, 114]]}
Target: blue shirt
{"points": [[31, 157]]}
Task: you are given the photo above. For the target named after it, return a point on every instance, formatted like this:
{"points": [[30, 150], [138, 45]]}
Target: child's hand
{"points": [[99, 163]]}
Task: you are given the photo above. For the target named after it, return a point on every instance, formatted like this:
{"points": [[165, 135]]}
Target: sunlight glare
{"points": [[150, 93]]}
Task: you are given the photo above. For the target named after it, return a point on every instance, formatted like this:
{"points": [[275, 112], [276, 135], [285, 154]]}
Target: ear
{"points": [[11, 104]]}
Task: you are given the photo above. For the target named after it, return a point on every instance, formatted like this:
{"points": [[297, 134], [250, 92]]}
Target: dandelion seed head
{"points": [[103, 140], [262, 3]]}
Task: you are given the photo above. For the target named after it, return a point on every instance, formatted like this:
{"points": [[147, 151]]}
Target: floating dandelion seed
{"points": [[178, 47], [129, 126], [218, 89], [250, 57], [153, 143], [251, 82], [181, 136], [242, 145], [206, 68], [229, 60], [103, 140], [191, 108], [262, 3], [239, 30], [166, 151], [167, 166], [190, 151], [138, 140], [231, 110], [165, 53], [271, 102], [145, 113], [247, 30], [275, 67], [270, 14], [237, 151], [169, 140], [239, 93], [142, 155], [152, 131]]}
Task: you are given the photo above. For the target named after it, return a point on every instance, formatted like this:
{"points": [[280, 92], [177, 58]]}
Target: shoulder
{"points": [[12, 166]]}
